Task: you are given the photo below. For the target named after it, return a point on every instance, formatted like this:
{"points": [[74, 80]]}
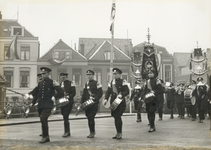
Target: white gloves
{"points": [[27, 96]]}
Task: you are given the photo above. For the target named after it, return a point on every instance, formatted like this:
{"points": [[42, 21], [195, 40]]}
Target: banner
{"points": [[149, 61]]}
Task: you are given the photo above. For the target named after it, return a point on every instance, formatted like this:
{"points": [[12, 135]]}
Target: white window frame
{"points": [[164, 73], [12, 30]]}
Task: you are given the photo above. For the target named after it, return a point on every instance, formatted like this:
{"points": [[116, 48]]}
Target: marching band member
{"points": [[136, 96], [151, 91], [200, 92], [160, 102], [193, 106], [170, 97], [69, 92], [179, 98], [92, 90], [45, 90], [117, 88]]}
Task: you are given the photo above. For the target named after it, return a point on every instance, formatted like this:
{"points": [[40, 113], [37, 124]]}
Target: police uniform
{"points": [[117, 87], [69, 92], [152, 85], [136, 96], [92, 89], [45, 90]]}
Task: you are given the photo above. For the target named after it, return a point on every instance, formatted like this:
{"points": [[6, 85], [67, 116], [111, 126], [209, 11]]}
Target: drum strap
{"points": [[89, 91], [149, 84], [114, 87]]}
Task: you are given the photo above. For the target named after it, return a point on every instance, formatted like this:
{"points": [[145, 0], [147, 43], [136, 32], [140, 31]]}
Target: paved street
{"points": [[171, 134]]}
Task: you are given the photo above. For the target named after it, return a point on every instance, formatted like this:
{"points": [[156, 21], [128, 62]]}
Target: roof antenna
{"points": [[197, 43], [148, 36]]}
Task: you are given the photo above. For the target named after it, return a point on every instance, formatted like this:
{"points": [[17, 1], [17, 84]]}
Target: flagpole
{"points": [[112, 51], [113, 11]]}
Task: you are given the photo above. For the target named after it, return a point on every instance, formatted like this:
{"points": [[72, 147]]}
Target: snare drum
{"points": [[149, 97], [87, 104], [62, 102], [115, 103]]}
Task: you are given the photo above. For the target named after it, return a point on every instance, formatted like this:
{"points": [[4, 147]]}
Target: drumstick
{"points": [[13, 91]]}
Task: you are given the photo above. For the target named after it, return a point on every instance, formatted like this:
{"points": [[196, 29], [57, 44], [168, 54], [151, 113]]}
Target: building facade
{"points": [[19, 50]]}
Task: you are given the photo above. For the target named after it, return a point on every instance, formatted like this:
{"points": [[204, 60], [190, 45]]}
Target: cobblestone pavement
{"points": [[171, 134]]}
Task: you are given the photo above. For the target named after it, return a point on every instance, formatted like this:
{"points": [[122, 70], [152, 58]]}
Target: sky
{"points": [[177, 25]]}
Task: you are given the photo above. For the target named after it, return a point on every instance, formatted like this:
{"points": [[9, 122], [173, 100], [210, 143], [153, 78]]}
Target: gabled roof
{"points": [[5, 28], [61, 46], [124, 45], [97, 52], [140, 47], [182, 59]]}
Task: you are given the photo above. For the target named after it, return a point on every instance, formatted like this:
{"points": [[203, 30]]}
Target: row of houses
{"points": [[19, 66]]}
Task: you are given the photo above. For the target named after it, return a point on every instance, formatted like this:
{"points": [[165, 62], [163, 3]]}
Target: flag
{"points": [[12, 49], [113, 12], [112, 28]]}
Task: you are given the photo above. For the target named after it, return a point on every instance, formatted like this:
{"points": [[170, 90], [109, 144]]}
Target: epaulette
{"points": [[73, 83], [99, 85], [55, 83], [124, 82]]}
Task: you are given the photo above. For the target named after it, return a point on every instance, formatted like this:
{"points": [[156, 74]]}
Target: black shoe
{"points": [[44, 140], [41, 134], [138, 120], [91, 135], [114, 137], [119, 136], [152, 130], [66, 135], [172, 117], [160, 119], [193, 119]]}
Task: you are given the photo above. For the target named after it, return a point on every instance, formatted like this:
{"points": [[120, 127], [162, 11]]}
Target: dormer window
{"points": [[17, 30]]}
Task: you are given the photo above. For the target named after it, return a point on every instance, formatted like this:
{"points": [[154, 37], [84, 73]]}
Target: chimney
{"points": [[0, 15]]}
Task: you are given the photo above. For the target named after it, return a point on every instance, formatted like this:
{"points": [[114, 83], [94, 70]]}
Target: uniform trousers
{"points": [[44, 113], [90, 114], [117, 113], [65, 111], [150, 109]]}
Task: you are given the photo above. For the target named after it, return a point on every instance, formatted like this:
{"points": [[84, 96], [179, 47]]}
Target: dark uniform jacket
{"points": [[179, 96], [94, 89], [157, 88], [69, 89], [201, 95], [136, 95], [45, 90], [170, 94], [121, 87]]}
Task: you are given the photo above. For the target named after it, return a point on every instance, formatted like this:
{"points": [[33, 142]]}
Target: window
{"points": [[167, 73], [55, 54], [77, 76], [9, 77], [5, 52], [62, 54], [108, 55], [17, 30], [125, 76], [25, 52], [24, 79], [97, 75]]}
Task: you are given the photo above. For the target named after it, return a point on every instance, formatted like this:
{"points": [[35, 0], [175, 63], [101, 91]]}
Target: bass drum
{"points": [[188, 96]]}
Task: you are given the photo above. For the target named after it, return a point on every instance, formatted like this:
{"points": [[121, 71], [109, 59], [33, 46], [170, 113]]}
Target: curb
{"points": [[54, 120]]}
